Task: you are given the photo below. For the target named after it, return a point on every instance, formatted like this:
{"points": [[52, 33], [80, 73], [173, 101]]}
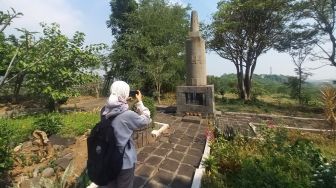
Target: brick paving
{"points": [[172, 160]]}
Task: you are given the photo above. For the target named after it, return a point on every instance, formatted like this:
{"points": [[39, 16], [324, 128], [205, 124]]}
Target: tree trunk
{"points": [[158, 89], [17, 87]]}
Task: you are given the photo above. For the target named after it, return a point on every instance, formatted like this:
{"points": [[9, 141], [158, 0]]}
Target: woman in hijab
{"points": [[124, 123]]}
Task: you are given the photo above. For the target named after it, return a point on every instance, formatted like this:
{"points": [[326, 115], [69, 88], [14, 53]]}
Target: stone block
{"points": [[181, 182], [180, 148], [186, 170], [145, 171], [195, 152], [154, 160], [161, 152], [142, 156], [176, 155], [192, 160], [169, 165], [164, 177]]}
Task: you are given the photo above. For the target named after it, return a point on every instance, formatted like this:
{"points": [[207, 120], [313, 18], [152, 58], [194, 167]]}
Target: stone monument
{"points": [[196, 97]]}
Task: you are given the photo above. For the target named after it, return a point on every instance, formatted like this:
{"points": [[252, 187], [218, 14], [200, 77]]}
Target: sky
{"points": [[90, 16]]}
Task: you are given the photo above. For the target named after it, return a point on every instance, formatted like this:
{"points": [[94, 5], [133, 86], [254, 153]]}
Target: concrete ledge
{"points": [[197, 180]]}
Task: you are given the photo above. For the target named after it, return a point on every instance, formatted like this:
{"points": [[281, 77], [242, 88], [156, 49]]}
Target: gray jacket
{"points": [[124, 124]]}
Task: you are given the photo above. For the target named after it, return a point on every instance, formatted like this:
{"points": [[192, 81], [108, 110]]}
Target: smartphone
{"points": [[132, 93]]}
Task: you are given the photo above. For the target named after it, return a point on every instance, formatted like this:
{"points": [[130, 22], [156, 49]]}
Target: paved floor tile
{"points": [[181, 182], [154, 160], [176, 155], [161, 152], [169, 165], [181, 148], [186, 170], [145, 171], [192, 160], [163, 177]]}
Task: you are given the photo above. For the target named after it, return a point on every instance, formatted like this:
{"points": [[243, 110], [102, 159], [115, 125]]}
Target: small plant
{"points": [[150, 104], [329, 100], [50, 123], [5, 154]]}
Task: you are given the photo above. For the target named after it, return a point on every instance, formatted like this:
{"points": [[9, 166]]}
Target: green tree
{"points": [[319, 16], [8, 52], [154, 45], [60, 64], [242, 30], [118, 21]]}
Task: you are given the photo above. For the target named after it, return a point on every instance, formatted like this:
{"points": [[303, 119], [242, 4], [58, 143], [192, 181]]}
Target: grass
{"points": [[75, 123], [270, 104], [322, 141]]}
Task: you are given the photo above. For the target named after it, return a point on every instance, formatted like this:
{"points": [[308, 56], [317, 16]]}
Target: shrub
{"points": [[325, 175], [272, 161], [5, 154], [50, 123], [150, 104]]}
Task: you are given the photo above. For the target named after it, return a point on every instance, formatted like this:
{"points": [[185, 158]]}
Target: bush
{"points": [[5, 154], [50, 123], [325, 175], [150, 104], [272, 161]]}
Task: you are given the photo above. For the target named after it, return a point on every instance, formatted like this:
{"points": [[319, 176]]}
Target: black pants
{"points": [[124, 180]]}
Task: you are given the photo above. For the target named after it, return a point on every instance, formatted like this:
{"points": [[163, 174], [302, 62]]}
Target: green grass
{"points": [[75, 124], [274, 104]]}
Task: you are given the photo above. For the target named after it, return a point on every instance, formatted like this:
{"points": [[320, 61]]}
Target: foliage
{"points": [[65, 64], [272, 161], [5, 151], [325, 175], [118, 19], [150, 104], [243, 30], [49, 123], [151, 52], [329, 100], [319, 18]]}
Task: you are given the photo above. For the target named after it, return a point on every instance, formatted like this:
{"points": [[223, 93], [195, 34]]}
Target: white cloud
{"points": [[37, 11]]}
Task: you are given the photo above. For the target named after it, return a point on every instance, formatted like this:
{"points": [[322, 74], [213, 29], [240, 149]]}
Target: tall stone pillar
{"points": [[195, 54], [196, 97]]}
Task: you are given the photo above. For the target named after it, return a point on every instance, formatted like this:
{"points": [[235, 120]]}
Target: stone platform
{"points": [[172, 160]]}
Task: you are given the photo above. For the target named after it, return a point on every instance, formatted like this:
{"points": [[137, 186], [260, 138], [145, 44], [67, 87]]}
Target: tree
{"points": [[319, 15], [7, 57], [299, 45], [153, 47], [242, 30], [60, 64], [118, 21]]}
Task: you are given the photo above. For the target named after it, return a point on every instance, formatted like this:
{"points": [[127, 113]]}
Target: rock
{"points": [[57, 140], [18, 148], [63, 162], [48, 172], [29, 183], [41, 136], [58, 147], [35, 148], [69, 156], [65, 152], [36, 172]]}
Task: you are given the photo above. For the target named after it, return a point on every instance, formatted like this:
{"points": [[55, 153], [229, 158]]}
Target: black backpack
{"points": [[105, 160]]}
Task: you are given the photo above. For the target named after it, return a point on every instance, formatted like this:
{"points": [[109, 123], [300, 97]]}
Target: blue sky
{"points": [[89, 16]]}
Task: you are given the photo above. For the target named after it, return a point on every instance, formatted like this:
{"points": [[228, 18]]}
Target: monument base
{"points": [[195, 100]]}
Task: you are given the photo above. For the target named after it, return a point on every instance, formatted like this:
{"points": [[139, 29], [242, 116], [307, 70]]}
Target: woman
{"points": [[124, 123]]}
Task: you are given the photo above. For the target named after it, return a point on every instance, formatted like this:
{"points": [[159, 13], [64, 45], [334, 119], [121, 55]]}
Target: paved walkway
{"points": [[171, 161]]}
